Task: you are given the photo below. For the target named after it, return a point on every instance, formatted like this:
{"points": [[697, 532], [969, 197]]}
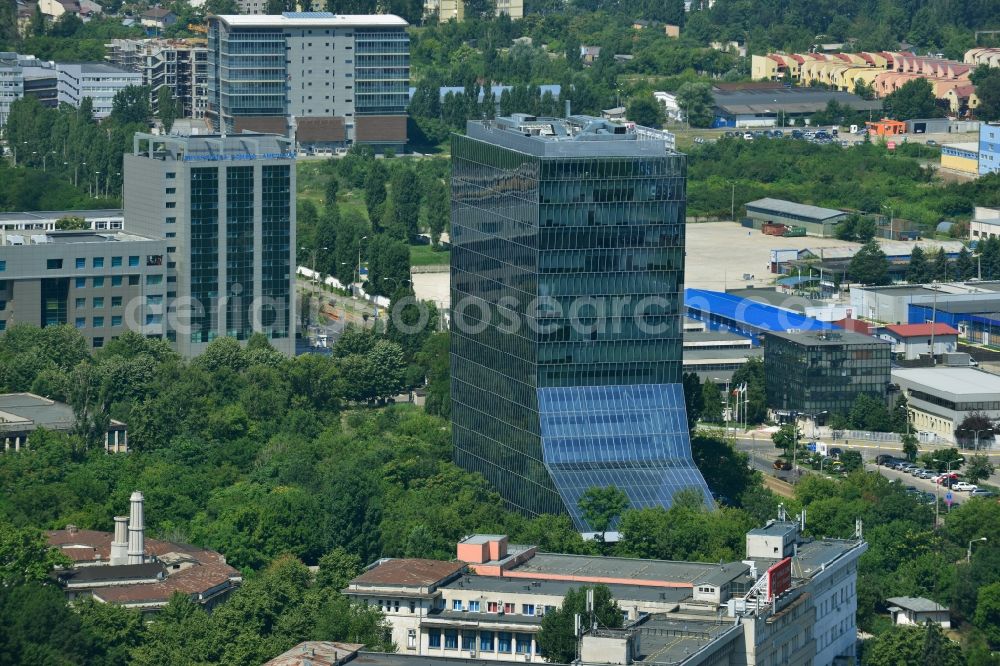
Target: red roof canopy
{"points": [[919, 330]]}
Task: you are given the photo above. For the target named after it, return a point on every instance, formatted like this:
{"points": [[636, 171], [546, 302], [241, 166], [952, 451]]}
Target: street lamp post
{"points": [[891, 211], [939, 483], [968, 553], [359, 258], [977, 437]]}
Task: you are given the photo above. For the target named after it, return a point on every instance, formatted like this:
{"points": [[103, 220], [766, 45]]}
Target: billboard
{"points": [[779, 578]]}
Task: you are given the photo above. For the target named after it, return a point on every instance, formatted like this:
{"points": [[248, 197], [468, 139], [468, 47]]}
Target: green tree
{"points": [[438, 202], [177, 636], [221, 7], [375, 194], [987, 80], [131, 105], [786, 438], [694, 398], [556, 638], [37, 26], [987, 616], [973, 429], [940, 266], [646, 111], [905, 646], [388, 265], [712, 402], [751, 374], [913, 99], [25, 556], [71, 222], [918, 270], [602, 507], [869, 413], [697, 103], [39, 628], [910, 449], [337, 568], [869, 265], [166, 108], [851, 461], [117, 630], [978, 468], [332, 189], [965, 267], [406, 199]]}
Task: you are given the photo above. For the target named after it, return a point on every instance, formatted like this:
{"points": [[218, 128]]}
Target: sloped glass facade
{"points": [[567, 276]]}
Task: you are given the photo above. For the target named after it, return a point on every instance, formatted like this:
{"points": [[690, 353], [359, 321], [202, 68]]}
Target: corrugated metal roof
{"points": [[753, 314], [817, 213]]}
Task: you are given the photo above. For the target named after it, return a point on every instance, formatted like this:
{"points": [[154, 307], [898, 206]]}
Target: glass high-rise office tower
{"points": [[567, 276]]}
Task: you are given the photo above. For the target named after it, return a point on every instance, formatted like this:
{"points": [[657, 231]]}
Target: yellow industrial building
{"points": [[961, 157]]}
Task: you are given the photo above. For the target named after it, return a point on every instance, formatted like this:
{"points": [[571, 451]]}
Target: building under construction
{"points": [[178, 64]]}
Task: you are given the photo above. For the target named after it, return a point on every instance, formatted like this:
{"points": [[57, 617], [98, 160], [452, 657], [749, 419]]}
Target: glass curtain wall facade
{"points": [[567, 275], [816, 372], [275, 249], [381, 72], [248, 74], [239, 251], [204, 252]]}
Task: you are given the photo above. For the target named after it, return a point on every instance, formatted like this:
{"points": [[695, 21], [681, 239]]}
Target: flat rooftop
{"points": [[584, 568], [70, 238], [701, 338], [28, 409], [775, 528], [787, 100], [977, 306], [313, 20], [212, 147], [836, 338], [573, 136], [729, 354], [960, 383], [559, 588], [670, 640], [47, 215]]}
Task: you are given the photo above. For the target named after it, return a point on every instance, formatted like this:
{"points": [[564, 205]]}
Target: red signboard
{"points": [[891, 145], [779, 578]]}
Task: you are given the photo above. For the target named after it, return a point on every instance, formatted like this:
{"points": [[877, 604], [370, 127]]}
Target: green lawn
{"points": [[424, 255]]}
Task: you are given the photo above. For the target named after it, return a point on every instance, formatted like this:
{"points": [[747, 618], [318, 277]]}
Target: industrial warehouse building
{"points": [[939, 398], [817, 221], [780, 106]]}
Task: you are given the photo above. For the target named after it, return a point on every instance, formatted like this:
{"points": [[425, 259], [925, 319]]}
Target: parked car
{"points": [[747, 136], [777, 134], [964, 486], [981, 492], [835, 452], [931, 142], [797, 134], [916, 471], [886, 460], [730, 135], [912, 490], [926, 474], [698, 139], [782, 464]]}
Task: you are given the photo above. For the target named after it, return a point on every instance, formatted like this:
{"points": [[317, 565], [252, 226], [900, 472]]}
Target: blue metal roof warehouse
{"points": [[743, 316]]}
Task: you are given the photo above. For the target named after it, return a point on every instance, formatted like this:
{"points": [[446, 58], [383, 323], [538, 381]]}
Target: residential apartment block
{"points": [[180, 65], [103, 283], [326, 80], [225, 207], [792, 600], [546, 214], [883, 71]]}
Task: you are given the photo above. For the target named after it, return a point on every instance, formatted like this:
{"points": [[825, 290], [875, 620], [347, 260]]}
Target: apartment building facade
{"points": [[326, 80]]}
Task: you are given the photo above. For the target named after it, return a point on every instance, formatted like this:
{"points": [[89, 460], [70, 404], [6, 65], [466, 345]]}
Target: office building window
{"points": [[81, 262], [171, 190], [474, 606], [133, 261], [154, 279], [98, 262], [171, 220], [98, 322], [486, 641], [450, 639], [508, 608], [116, 301], [3, 305], [411, 639], [504, 642], [133, 280], [456, 604], [171, 174], [53, 264], [3, 325], [98, 302], [527, 609], [98, 282], [80, 283], [116, 262], [81, 303], [116, 320], [491, 607], [155, 320], [154, 299], [434, 638], [171, 204], [523, 643], [116, 280], [98, 343], [171, 234], [81, 322], [3, 265]]}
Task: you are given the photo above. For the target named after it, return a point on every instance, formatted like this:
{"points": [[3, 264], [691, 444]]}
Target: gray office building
{"points": [[225, 207], [328, 80], [103, 283], [567, 272]]}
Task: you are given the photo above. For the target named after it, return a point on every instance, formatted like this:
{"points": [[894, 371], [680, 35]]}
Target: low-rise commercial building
{"points": [[892, 304], [817, 221], [792, 600], [911, 341], [939, 398], [126, 569], [23, 413], [961, 157], [103, 283], [743, 316], [918, 611], [823, 371], [751, 107], [985, 223]]}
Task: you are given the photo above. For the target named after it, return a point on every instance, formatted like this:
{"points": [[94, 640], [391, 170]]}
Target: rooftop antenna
{"points": [[782, 514]]}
